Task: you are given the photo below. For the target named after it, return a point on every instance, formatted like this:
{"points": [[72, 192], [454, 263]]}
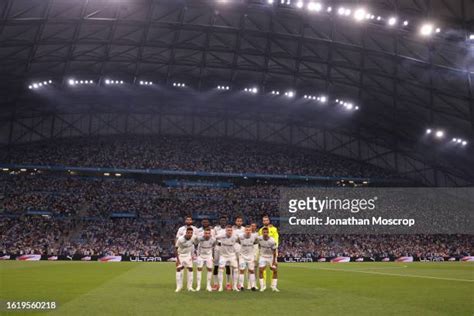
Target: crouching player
{"points": [[268, 257], [228, 256], [184, 251], [247, 255], [205, 245]]}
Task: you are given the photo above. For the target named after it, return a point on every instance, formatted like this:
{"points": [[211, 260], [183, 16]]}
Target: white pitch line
{"points": [[390, 274]]}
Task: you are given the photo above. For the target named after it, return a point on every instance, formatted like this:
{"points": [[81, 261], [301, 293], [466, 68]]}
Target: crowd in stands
{"points": [[187, 153], [82, 208]]}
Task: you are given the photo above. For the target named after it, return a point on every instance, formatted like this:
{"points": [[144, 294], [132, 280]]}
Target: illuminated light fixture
{"points": [[329, 9], [392, 21], [471, 37], [379, 18], [357, 108], [464, 143], [36, 85], [347, 12], [314, 6], [275, 92], [360, 14], [289, 94], [145, 83], [270, 1], [426, 29], [405, 23], [299, 4], [179, 84], [439, 134], [341, 11], [429, 131], [108, 81], [438, 30], [323, 99], [253, 90], [454, 140], [223, 87]]}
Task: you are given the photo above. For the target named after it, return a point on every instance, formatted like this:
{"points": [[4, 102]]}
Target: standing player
{"points": [[205, 223], [247, 242], [238, 228], [268, 257], [219, 230], [228, 256], [254, 229], [188, 223], [272, 232], [184, 251], [205, 244]]}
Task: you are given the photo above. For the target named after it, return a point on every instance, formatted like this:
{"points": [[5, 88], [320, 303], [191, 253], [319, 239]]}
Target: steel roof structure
{"points": [[403, 83]]}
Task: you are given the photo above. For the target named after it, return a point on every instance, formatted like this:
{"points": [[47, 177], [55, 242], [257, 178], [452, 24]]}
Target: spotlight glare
{"points": [[392, 21], [438, 30], [439, 134], [359, 14], [71, 82], [405, 22], [329, 9], [341, 11], [428, 131], [426, 29], [347, 12], [30, 87], [323, 99], [107, 81], [299, 4], [464, 143], [314, 6]]}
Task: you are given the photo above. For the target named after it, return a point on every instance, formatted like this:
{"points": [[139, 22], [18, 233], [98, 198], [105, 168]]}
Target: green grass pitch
{"points": [[94, 288]]}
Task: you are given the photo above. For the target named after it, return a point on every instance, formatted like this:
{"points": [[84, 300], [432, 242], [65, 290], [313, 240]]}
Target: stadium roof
{"points": [[404, 81]]}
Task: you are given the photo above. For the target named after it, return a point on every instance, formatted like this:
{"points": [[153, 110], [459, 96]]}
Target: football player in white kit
{"points": [[205, 245], [188, 222], [268, 257], [219, 230], [228, 256], [247, 243], [184, 251], [205, 223]]}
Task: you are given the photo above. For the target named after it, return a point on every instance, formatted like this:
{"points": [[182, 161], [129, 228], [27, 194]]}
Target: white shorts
{"points": [[208, 261], [246, 263], [185, 261], [263, 262], [231, 261]]}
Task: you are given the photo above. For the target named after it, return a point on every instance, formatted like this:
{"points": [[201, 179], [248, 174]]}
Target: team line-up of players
{"points": [[226, 247]]}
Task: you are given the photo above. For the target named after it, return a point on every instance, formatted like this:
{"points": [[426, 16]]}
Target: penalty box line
{"points": [[389, 274]]}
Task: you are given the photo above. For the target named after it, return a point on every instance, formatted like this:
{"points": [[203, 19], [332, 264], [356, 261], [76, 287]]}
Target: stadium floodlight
{"points": [[270, 1], [30, 87], [471, 37], [360, 14], [405, 23], [349, 106], [341, 11], [290, 94], [379, 18], [299, 4], [438, 30], [439, 134], [329, 9], [357, 108], [464, 143], [392, 21], [107, 81], [454, 140], [315, 6], [429, 131], [426, 29], [323, 99], [347, 12]]}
